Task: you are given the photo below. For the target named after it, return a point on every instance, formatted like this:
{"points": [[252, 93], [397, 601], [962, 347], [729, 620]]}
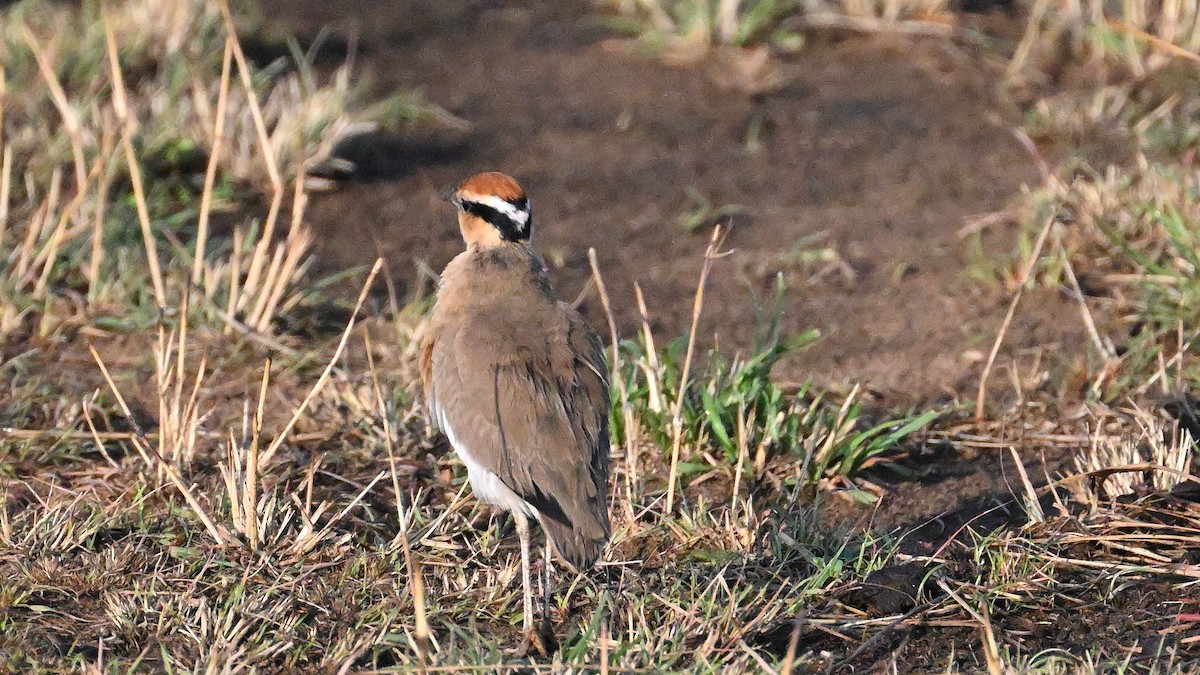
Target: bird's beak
{"points": [[449, 192]]}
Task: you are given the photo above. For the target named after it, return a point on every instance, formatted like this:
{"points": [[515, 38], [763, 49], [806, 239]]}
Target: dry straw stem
{"points": [[135, 172], [711, 253], [1034, 255], [260, 125], [5, 185], [337, 355], [210, 173], [1154, 41], [289, 256], [154, 459], [250, 507], [1028, 40], [1033, 508], [305, 544], [3, 100], [268, 154], [991, 649], [615, 377], [97, 255], [870, 24], [424, 636], [65, 109]]}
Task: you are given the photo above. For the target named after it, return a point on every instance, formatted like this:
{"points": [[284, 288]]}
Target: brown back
{"points": [[521, 379]]}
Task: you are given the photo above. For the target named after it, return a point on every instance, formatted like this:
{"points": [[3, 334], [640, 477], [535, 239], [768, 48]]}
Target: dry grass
{"points": [[184, 488], [142, 94]]}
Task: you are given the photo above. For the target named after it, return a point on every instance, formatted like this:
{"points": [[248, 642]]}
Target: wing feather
{"points": [[531, 403]]}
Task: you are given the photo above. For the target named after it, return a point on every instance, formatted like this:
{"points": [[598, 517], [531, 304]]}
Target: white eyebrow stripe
{"points": [[518, 215]]}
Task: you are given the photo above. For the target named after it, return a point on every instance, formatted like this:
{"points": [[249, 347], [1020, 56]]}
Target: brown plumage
{"points": [[517, 380]]}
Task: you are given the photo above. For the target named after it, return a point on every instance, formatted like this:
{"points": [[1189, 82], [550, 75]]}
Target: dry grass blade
{"points": [[337, 355], [991, 647], [710, 254], [155, 460], [1022, 280], [69, 115], [250, 507], [97, 253], [210, 173], [1158, 43], [1033, 507], [424, 636], [631, 451], [5, 186], [259, 256], [135, 172], [305, 544], [260, 125]]}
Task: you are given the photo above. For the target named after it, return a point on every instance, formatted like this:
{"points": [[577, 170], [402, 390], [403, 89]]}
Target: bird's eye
{"points": [[464, 205]]}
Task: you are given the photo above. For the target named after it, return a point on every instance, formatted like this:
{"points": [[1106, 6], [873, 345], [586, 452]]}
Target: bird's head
{"points": [[492, 210]]}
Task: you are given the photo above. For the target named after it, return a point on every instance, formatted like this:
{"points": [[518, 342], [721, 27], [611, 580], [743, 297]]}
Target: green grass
{"points": [[697, 25], [138, 532]]}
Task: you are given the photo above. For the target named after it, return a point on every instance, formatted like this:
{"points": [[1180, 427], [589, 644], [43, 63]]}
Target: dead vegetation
{"points": [[186, 485]]}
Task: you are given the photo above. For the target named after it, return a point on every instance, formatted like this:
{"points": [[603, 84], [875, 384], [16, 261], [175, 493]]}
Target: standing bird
{"points": [[517, 382]]}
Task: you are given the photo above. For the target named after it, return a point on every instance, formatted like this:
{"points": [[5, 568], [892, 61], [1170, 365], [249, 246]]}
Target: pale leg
{"points": [[547, 559], [523, 532], [532, 640]]}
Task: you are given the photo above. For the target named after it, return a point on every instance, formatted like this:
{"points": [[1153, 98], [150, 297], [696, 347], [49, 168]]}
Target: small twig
{"points": [[871, 642]]}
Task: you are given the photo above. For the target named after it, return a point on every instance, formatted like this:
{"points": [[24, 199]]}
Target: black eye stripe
{"points": [[509, 229]]}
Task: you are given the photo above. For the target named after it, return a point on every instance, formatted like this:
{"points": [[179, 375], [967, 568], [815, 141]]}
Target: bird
{"points": [[516, 380]]}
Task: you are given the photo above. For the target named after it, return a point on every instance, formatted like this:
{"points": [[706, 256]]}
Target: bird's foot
{"points": [[538, 641]]}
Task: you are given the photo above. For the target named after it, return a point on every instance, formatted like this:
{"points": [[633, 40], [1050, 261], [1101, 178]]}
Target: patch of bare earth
{"points": [[880, 149]]}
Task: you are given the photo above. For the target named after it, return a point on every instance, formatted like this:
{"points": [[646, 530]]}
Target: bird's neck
{"points": [[512, 267]]}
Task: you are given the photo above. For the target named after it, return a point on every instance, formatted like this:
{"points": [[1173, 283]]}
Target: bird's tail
{"points": [[579, 543]]}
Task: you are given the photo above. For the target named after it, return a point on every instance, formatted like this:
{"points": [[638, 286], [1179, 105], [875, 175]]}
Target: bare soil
{"points": [[881, 148]]}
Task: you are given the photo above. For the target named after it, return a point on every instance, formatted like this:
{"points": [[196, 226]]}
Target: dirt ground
{"points": [[881, 148]]}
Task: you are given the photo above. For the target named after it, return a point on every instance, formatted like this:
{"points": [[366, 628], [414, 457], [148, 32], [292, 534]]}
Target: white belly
{"points": [[486, 485]]}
